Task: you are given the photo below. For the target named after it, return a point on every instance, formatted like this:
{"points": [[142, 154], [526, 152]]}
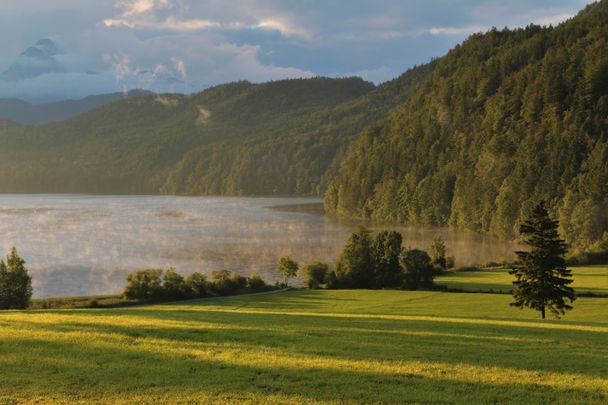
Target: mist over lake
{"points": [[80, 244]]}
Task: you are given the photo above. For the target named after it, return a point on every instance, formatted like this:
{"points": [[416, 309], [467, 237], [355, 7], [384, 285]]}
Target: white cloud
{"points": [[286, 28], [456, 30]]}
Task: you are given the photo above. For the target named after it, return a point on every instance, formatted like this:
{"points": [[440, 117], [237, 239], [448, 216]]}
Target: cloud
{"points": [[187, 45], [146, 14], [456, 30], [285, 28]]}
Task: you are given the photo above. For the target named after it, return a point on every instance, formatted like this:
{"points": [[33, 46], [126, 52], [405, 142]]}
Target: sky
{"points": [[104, 46]]}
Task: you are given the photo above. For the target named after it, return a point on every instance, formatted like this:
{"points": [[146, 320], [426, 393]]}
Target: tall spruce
{"points": [[542, 279], [386, 249]]}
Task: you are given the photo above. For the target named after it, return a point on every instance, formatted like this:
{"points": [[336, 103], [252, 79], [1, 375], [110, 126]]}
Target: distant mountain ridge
{"points": [[22, 112], [278, 138]]}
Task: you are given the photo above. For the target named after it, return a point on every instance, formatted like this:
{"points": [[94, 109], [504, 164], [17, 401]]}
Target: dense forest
{"points": [[506, 119], [279, 138], [473, 139]]}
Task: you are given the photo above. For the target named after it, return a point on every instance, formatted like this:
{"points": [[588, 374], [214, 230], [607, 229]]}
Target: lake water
{"points": [[80, 244]]}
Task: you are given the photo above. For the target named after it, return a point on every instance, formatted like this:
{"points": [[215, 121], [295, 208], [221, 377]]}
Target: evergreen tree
{"points": [[542, 279], [355, 266], [15, 283], [386, 249]]}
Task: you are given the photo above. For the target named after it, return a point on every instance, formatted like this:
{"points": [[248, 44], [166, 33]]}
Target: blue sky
{"points": [[188, 45]]}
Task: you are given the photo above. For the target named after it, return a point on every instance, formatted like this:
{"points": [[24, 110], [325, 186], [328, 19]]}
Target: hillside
{"points": [[304, 347], [506, 119], [273, 138], [25, 113]]}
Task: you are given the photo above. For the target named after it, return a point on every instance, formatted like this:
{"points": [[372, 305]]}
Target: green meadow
{"points": [[341, 346], [587, 279]]}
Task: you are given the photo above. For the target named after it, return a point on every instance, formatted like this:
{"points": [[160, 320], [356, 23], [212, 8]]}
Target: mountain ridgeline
{"points": [[473, 139], [506, 119], [276, 138]]}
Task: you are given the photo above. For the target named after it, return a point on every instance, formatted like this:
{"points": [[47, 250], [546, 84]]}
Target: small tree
{"points": [[541, 277], [437, 251], [386, 250], [15, 283], [221, 282], [287, 267], [144, 284], [314, 274], [197, 285], [174, 286], [418, 268]]}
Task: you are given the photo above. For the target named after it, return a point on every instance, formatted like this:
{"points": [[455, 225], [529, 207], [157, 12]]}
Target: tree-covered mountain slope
{"points": [[273, 138], [507, 118]]}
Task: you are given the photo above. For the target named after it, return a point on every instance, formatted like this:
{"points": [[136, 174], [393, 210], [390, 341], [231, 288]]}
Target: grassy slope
{"points": [[586, 279], [309, 346]]}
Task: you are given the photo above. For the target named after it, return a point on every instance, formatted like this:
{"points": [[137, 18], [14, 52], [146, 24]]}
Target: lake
{"points": [[81, 244]]}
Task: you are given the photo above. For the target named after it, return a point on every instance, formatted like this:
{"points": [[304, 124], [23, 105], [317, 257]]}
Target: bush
{"points": [[144, 284], [255, 282], [174, 287], [419, 269], [221, 282], [315, 274], [196, 285]]}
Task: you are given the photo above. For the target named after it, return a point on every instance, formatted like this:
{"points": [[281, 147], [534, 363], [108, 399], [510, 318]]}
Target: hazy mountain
{"points": [[25, 113], [284, 137], [36, 60]]}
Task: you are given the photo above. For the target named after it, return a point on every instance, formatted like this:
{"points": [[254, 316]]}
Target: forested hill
{"points": [[506, 119], [280, 138]]}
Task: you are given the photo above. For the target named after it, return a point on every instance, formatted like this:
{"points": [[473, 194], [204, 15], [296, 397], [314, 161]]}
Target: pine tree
{"points": [[542, 279], [15, 283]]}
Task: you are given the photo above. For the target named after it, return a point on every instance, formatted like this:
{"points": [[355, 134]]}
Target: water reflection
{"points": [[77, 245]]}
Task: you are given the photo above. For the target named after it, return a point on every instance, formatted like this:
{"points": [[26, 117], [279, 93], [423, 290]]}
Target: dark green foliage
{"points": [[15, 282], [315, 274], [542, 279], [438, 254], [255, 282], [506, 119], [355, 266], [386, 250], [196, 284], [221, 282], [419, 271], [174, 286], [283, 137], [144, 285], [170, 285], [287, 268]]}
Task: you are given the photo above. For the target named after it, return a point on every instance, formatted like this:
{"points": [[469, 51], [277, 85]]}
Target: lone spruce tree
{"points": [[542, 279]]}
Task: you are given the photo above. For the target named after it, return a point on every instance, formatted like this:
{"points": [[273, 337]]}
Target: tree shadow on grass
{"points": [[360, 339], [90, 371]]}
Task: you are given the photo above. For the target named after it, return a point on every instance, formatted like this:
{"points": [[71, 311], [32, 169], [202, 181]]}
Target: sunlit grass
{"points": [[587, 279], [308, 347]]}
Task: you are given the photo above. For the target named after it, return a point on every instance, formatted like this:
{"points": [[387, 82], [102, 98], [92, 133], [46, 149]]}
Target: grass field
{"points": [[587, 279], [308, 347]]}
